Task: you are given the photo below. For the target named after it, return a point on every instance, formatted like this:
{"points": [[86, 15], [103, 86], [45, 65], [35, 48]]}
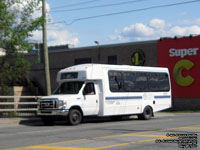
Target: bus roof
{"points": [[84, 67]]}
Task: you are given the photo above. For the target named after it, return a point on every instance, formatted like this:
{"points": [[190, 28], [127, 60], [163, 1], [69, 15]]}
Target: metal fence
{"points": [[18, 105]]}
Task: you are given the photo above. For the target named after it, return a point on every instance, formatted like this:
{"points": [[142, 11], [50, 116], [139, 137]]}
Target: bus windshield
{"points": [[69, 88]]}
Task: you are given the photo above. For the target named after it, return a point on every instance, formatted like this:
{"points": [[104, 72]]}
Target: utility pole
{"points": [[45, 48]]}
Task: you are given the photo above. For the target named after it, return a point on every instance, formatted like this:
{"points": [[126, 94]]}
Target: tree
{"points": [[17, 23]]}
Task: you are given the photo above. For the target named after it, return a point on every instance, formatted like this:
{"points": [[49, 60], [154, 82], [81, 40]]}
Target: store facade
{"points": [[180, 55]]}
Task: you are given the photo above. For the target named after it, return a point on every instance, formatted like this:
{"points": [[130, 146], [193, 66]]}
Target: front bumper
{"points": [[58, 112]]}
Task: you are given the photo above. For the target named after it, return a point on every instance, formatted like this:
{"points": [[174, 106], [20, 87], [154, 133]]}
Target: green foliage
{"points": [[17, 24], [12, 114]]}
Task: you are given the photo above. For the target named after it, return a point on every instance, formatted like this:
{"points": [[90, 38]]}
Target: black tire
{"points": [[48, 121], [75, 117], [147, 114]]}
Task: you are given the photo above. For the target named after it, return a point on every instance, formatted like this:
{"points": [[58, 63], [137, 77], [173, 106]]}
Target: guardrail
{"points": [[18, 104]]}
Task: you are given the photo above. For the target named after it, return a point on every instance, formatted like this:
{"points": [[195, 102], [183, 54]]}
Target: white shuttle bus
{"points": [[107, 90]]}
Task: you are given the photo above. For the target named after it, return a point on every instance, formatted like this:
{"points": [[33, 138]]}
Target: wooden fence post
{"points": [[17, 92]]}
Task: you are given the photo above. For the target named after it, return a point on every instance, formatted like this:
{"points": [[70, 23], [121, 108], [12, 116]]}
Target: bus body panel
{"points": [[118, 89]]}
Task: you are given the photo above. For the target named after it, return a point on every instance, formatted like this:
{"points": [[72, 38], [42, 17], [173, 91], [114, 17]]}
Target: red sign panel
{"points": [[182, 57]]}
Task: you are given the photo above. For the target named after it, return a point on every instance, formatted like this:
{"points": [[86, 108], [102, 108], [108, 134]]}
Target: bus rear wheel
{"points": [[147, 113]]}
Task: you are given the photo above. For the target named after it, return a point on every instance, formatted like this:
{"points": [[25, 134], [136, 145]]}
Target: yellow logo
{"points": [[177, 72], [138, 58]]}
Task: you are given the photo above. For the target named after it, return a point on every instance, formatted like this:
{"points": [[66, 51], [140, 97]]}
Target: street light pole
{"points": [[99, 53], [45, 48]]}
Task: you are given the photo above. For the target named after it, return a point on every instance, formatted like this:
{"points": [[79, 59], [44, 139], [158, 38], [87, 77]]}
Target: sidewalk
{"points": [[18, 121]]}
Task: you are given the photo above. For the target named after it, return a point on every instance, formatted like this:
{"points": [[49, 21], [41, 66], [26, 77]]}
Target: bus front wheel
{"points": [[75, 117]]}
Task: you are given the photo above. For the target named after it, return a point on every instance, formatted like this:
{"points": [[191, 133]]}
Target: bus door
{"points": [[90, 99]]}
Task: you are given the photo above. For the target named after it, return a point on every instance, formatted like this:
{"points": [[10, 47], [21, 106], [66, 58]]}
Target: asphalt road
{"points": [[164, 131]]}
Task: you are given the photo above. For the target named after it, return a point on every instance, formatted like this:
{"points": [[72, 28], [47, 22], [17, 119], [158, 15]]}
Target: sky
{"points": [[81, 22]]}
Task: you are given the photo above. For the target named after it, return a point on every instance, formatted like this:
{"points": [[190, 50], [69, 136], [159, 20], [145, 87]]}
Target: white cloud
{"points": [[37, 10], [155, 29], [133, 32], [177, 30], [57, 34], [158, 24], [61, 37]]}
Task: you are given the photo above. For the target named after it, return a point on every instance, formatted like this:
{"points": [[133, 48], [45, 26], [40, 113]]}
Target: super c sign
{"points": [[182, 57]]}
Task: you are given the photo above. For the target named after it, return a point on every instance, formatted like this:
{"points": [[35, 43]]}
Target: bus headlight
{"points": [[62, 104]]}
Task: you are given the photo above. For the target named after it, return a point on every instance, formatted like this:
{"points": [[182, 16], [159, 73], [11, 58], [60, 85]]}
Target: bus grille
{"points": [[48, 104]]}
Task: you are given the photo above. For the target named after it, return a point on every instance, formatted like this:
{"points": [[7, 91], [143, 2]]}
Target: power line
{"points": [[98, 6], [91, 1], [129, 11]]}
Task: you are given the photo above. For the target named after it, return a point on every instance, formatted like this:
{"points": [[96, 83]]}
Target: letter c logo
{"points": [[177, 72]]}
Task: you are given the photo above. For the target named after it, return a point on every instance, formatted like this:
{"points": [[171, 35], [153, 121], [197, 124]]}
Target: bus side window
{"points": [[89, 89]]}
